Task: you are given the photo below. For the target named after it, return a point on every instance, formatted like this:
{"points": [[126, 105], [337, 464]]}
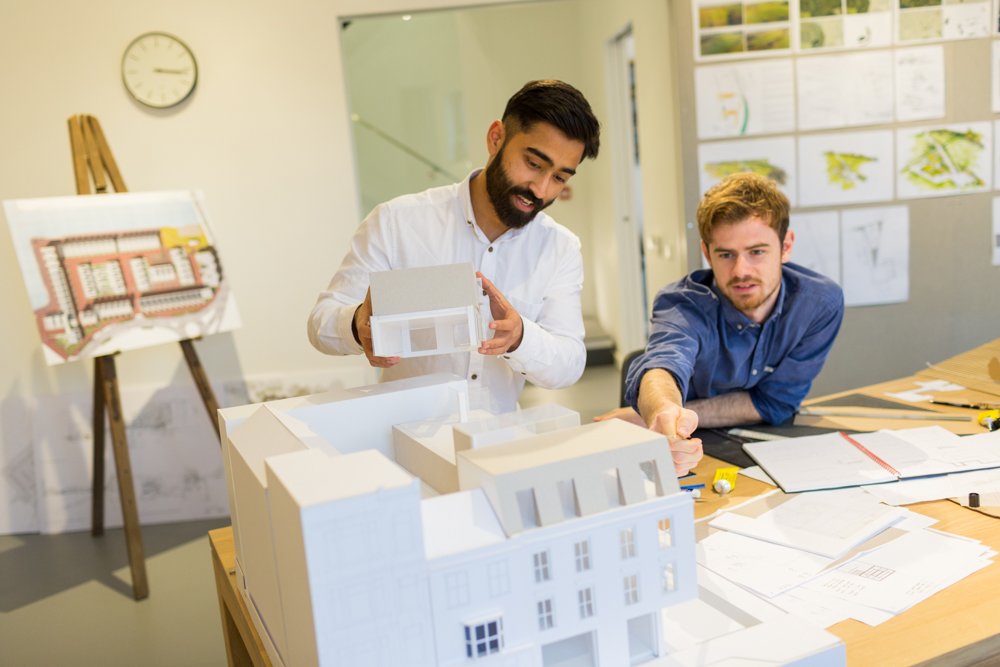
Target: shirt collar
{"points": [[738, 320], [465, 191]]}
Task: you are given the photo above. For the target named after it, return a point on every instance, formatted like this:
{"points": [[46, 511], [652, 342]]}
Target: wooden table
{"points": [[243, 645], [957, 626]]}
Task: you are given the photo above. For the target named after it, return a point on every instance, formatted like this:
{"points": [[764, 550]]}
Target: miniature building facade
{"points": [[560, 547], [426, 310]]}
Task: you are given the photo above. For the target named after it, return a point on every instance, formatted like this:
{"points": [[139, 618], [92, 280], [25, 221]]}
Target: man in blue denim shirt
{"points": [[739, 343]]}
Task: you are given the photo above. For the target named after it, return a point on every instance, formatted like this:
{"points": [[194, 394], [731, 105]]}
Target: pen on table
{"points": [[912, 414], [754, 435], [691, 487], [971, 406]]}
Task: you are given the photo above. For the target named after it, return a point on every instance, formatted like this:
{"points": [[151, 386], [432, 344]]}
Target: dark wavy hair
{"points": [[558, 104]]}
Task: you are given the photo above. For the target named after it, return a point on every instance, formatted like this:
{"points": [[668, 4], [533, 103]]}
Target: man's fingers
{"points": [[686, 454]]}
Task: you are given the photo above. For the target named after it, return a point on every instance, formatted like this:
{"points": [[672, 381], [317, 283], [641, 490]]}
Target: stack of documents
{"points": [[836, 460], [831, 555]]}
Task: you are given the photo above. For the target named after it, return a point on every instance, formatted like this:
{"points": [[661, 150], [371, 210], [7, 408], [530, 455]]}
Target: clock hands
{"points": [[164, 70]]}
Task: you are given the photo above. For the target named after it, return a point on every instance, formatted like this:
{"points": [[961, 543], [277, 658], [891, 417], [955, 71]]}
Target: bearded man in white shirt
{"points": [[531, 267]]}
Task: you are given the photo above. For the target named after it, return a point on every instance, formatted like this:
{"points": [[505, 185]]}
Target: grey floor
{"points": [[66, 599]]}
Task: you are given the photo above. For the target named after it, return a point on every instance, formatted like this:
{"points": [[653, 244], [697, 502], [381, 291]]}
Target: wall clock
{"points": [[159, 70]]}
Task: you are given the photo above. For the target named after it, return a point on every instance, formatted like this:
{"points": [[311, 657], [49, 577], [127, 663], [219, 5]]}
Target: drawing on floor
{"points": [[845, 168], [875, 245], [826, 24], [741, 28], [944, 160], [772, 157], [744, 99], [119, 272], [817, 242]]}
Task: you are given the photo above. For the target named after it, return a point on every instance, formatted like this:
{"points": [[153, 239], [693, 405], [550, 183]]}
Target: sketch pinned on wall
{"points": [[741, 28], [919, 83], [119, 272], [817, 242], [773, 157], [176, 463], [996, 231], [852, 24], [844, 90], [935, 161], [744, 99], [922, 20], [845, 168], [875, 255]]}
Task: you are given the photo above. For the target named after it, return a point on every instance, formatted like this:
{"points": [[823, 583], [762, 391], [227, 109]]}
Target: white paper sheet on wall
{"points": [[844, 90], [817, 242], [875, 251], [919, 83], [772, 157], [995, 75], [941, 160], [744, 99], [845, 168]]}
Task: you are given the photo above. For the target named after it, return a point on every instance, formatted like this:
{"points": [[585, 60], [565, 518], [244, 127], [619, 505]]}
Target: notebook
{"points": [[836, 460]]}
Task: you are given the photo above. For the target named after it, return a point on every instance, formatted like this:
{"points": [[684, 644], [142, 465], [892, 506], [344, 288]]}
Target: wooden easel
{"points": [[92, 159]]}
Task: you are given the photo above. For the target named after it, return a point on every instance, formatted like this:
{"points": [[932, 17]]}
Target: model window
{"points": [[631, 589], [542, 567], [582, 550], [666, 537], [546, 618], [586, 600], [627, 538], [482, 639], [498, 578], [456, 589], [669, 581]]}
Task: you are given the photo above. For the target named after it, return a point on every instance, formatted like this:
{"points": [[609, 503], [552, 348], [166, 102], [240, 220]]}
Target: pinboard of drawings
{"points": [[118, 272]]}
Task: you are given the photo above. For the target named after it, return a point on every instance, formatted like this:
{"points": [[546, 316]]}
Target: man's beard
{"points": [[501, 191], [748, 306]]}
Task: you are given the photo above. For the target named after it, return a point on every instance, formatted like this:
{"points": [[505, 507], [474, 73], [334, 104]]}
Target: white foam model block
{"points": [[783, 641], [582, 459], [427, 310], [348, 544], [359, 419], [495, 429], [258, 437], [425, 288], [426, 449]]}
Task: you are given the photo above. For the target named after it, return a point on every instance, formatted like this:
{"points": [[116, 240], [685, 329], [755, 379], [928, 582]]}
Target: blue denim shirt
{"points": [[711, 348]]}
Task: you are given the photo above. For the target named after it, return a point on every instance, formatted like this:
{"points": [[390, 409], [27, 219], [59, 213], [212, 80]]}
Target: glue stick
{"points": [[725, 480]]}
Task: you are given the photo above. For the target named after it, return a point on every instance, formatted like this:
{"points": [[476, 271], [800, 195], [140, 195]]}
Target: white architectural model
{"points": [[427, 310], [558, 545]]}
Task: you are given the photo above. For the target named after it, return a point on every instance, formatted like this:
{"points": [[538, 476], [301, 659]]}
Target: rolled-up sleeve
{"points": [[778, 396], [676, 337], [329, 325]]}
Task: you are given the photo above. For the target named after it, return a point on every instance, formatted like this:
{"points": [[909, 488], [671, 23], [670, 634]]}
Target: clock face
{"points": [[159, 70]]}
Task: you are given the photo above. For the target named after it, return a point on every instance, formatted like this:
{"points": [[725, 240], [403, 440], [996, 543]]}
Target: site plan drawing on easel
{"points": [[119, 272]]}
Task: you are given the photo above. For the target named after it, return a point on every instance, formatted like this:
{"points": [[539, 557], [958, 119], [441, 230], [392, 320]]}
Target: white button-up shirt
{"points": [[538, 268]]}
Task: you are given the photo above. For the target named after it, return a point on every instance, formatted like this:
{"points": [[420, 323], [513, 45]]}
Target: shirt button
{"points": [[506, 356], [468, 222], [753, 372], [484, 292], [490, 248], [476, 377], [739, 327]]}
